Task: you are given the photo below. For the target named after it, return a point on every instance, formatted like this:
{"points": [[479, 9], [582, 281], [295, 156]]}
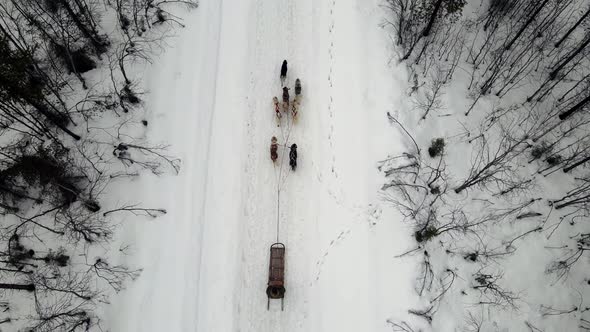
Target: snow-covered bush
{"points": [[437, 147]]}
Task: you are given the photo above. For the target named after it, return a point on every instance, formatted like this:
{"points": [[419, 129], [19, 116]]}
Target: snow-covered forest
{"points": [[73, 129], [495, 175], [428, 167]]}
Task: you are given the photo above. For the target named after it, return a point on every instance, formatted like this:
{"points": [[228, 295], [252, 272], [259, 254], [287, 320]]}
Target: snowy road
{"points": [[206, 261]]}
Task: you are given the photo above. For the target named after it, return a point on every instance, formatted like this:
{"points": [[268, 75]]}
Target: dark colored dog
{"points": [[273, 149], [286, 95], [293, 157], [284, 70]]}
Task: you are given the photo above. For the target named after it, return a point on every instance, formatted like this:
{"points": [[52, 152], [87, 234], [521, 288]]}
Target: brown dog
{"points": [[295, 107], [275, 100]]}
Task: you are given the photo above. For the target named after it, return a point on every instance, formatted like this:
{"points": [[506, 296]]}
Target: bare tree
{"points": [[563, 266], [430, 100], [494, 167], [491, 293]]}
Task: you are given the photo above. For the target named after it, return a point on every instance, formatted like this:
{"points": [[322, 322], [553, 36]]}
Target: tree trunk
{"points": [[554, 73], [19, 194], [11, 209], [28, 287], [572, 28], [91, 35], [43, 110], [574, 109], [426, 31], [83, 7], [528, 22], [579, 200], [460, 188], [569, 168]]}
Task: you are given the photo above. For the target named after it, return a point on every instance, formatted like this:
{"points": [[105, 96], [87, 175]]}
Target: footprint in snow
{"points": [[374, 214]]}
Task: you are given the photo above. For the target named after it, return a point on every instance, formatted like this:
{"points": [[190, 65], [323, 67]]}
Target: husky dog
{"points": [[293, 157], [297, 87], [295, 107], [285, 95], [286, 99], [275, 101], [274, 146], [283, 72]]}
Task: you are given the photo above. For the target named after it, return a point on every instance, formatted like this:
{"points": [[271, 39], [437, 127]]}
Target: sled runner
{"points": [[274, 146], [276, 274]]}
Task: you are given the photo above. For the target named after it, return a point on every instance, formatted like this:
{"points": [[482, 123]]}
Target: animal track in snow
{"points": [[331, 28], [370, 213], [374, 214], [322, 260]]}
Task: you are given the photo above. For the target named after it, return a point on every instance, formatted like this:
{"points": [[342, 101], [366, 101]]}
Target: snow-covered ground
{"points": [[206, 262]]}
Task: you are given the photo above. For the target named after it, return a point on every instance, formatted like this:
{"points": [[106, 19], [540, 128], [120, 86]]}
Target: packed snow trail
{"points": [[206, 262]]}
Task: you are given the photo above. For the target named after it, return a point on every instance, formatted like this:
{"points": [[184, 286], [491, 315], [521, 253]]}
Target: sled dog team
{"points": [[286, 99], [274, 145]]}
